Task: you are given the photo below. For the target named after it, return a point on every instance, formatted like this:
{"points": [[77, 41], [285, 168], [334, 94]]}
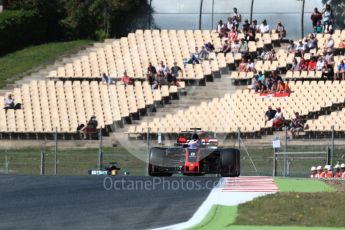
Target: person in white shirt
{"points": [[264, 27], [236, 18], [329, 44], [320, 64]]}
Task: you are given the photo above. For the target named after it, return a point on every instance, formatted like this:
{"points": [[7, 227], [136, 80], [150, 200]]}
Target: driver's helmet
{"points": [[195, 137]]}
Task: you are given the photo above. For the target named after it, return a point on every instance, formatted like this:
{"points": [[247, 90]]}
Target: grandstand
{"points": [[72, 91]]}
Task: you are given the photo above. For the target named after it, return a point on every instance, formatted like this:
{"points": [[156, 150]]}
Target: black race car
{"points": [[193, 155]]}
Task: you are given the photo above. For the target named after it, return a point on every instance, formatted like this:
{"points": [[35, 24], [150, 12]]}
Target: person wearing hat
{"points": [[337, 171], [278, 119], [320, 173], [313, 172], [328, 171], [342, 170]]}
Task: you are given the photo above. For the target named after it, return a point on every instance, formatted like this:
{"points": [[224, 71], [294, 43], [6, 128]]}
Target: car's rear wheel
{"points": [[156, 163], [229, 162]]}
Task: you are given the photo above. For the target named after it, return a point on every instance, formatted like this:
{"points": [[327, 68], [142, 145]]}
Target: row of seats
{"points": [[245, 109], [50, 105]]}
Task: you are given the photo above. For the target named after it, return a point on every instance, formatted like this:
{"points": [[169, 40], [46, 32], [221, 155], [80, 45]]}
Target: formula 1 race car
{"points": [[194, 155], [112, 170]]}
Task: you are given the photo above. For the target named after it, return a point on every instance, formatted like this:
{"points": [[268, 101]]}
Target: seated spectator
{"points": [[283, 87], [221, 29], [163, 69], [342, 44], [313, 172], [152, 79], [329, 58], [312, 64], [273, 55], [312, 42], [106, 79], [264, 27], [296, 125], [91, 127], [203, 55], [229, 24], [329, 44], [280, 29], [261, 77], [250, 34], [243, 66], [244, 48], [255, 83], [320, 64], [226, 47], [170, 79], [278, 119], [151, 69], [300, 48], [292, 47], [255, 26], [295, 65], [9, 103], [271, 86], [209, 47], [269, 114], [176, 70], [303, 64], [232, 35], [192, 59], [275, 77], [250, 66], [245, 26], [341, 70], [235, 47], [315, 18], [328, 73], [126, 79]]}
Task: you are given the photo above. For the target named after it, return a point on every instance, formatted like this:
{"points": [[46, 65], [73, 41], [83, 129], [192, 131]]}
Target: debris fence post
{"points": [[55, 152], [42, 163]]}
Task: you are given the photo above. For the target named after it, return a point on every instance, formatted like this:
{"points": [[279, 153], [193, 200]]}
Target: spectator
{"points": [[250, 34], [261, 77], [250, 66], [226, 47], [295, 65], [342, 168], [106, 79], [91, 127], [312, 42], [151, 69], [176, 70], [300, 49], [278, 119], [244, 48], [312, 64], [328, 171], [303, 64], [236, 18], [243, 66], [280, 29], [320, 64], [9, 103], [283, 87], [316, 18], [255, 26], [170, 79], [292, 47], [264, 27], [329, 58], [163, 69], [245, 26], [320, 173], [328, 73], [126, 79], [297, 125], [255, 83], [341, 70], [329, 44], [220, 27], [152, 79], [235, 47], [269, 115], [327, 19], [232, 35], [229, 24], [313, 172], [203, 55], [337, 171], [209, 47], [342, 44]]}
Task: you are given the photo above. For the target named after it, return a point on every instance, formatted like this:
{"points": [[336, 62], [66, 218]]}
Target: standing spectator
{"points": [[278, 119], [236, 18], [313, 172], [328, 171], [229, 24], [341, 70], [245, 26], [280, 29], [297, 125], [91, 127], [327, 19], [315, 18], [175, 70], [203, 55], [221, 29], [269, 114], [264, 27], [9, 103], [126, 79]]}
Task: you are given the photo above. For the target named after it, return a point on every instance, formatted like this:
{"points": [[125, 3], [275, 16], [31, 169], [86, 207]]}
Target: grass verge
{"points": [[13, 65], [294, 209], [302, 185]]}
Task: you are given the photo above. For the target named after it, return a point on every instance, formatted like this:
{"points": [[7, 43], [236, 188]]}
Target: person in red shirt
{"points": [[320, 173], [337, 171], [342, 168], [313, 172], [303, 64], [126, 79], [328, 171], [312, 65]]}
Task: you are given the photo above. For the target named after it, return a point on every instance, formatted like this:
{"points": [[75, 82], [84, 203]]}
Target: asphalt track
{"points": [[57, 202]]}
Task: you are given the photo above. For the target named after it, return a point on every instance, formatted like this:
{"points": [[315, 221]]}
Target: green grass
{"points": [[13, 65], [302, 185], [294, 209], [70, 161]]}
